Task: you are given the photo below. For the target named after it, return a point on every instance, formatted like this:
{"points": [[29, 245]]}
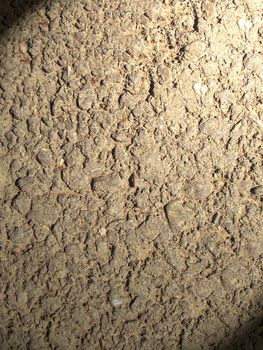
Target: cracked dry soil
{"points": [[131, 178]]}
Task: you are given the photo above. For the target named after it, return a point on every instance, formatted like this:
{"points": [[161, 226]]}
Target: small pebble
{"points": [[258, 190], [22, 203], [20, 236], [116, 302], [244, 24], [66, 73], [200, 89], [44, 157], [85, 99], [73, 250], [216, 218], [103, 184], [195, 50], [178, 216], [119, 137], [102, 231], [26, 184]]}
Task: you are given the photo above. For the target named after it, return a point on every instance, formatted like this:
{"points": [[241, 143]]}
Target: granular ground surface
{"points": [[131, 178]]}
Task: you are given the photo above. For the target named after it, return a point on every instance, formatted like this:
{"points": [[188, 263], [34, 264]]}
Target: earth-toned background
{"points": [[131, 179]]}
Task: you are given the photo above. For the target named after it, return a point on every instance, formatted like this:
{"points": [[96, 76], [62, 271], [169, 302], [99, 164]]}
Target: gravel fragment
{"points": [[105, 184], [73, 250], [43, 212], [152, 227], [22, 203], [179, 216], [20, 235], [85, 99], [200, 89], [119, 137], [195, 50], [44, 157], [27, 184], [245, 24], [258, 190]]}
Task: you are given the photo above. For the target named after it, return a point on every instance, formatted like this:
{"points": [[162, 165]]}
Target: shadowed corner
{"points": [[12, 11], [248, 337]]}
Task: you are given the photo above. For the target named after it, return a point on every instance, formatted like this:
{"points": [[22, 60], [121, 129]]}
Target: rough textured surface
{"points": [[131, 175]]}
